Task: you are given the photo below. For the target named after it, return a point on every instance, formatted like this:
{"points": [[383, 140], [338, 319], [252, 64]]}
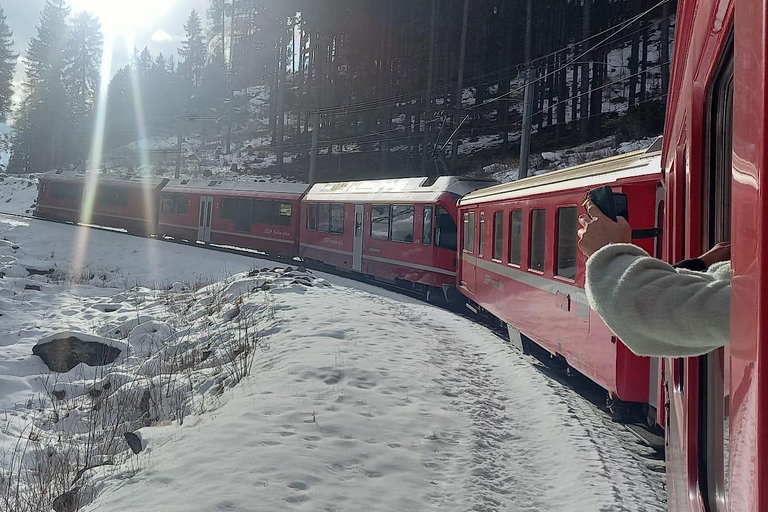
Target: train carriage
{"points": [[399, 231], [519, 261], [120, 201], [262, 216]]}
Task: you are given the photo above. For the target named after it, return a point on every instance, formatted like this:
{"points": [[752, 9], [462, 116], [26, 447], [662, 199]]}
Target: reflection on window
{"points": [[567, 239], [244, 215], [228, 209], [402, 223], [337, 219], [312, 217], [469, 232], [516, 237], [426, 232], [380, 222], [445, 230], [538, 239], [68, 191], [498, 235], [324, 217]]}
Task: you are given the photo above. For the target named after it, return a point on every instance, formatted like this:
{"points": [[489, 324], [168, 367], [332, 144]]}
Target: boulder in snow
{"points": [[62, 352]]}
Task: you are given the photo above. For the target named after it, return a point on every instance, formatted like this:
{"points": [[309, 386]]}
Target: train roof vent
{"points": [[213, 183], [184, 182], [428, 182], [59, 171], [127, 177]]}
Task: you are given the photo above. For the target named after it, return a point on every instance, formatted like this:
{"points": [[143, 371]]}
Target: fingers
{"points": [[621, 221], [584, 221], [593, 210]]}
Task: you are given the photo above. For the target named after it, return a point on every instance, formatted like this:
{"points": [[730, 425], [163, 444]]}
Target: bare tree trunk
{"points": [[282, 63], [584, 113], [644, 65], [460, 87], [664, 48], [426, 156]]}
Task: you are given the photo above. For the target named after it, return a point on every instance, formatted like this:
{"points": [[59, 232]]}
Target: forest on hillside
{"points": [[394, 86]]}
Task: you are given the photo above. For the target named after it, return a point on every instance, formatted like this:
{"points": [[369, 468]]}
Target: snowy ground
{"points": [[356, 399]]}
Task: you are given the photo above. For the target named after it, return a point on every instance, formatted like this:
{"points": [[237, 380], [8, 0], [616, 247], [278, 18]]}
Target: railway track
{"points": [[589, 391]]}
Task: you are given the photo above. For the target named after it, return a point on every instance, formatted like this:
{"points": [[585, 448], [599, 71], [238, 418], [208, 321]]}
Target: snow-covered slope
{"points": [[18, 194], [356, 399]]}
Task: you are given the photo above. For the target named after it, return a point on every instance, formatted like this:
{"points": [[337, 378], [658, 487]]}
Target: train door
{"points": [[468, 250], [204, 224], [357, 249]]}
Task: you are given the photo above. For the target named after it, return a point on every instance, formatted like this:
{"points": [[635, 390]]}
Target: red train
{"points": [[519, 261]]}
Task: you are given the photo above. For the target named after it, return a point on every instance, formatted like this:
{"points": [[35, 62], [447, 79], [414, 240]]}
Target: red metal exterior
{"points": [[551, 310]]}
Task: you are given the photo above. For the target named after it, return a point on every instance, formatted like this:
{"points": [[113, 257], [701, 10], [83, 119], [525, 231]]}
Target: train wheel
{"points": [[436, 297]]}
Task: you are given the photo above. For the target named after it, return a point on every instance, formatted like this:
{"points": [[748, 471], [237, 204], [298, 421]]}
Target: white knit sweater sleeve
{"points": [[655, 309]]}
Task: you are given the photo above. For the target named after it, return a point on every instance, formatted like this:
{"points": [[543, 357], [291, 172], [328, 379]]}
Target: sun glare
{"points": [[124, 18]]}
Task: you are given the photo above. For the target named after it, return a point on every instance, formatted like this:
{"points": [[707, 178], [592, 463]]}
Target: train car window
{"points": [[380, 222], [324, 218], [538, 239], [446, 230], [244, 215], [402, 223], [482, 234], [228, 209], [312, 217], [112, 196], [337, 219], [169, 203], [284, 214], [263, 212], [469, 232], [516, 237], [182, 202], [567, 240], [67, 191], [498, 236], [426, 232]]}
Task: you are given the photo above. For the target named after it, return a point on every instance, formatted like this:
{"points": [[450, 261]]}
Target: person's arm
{"points": [[653, 308]]}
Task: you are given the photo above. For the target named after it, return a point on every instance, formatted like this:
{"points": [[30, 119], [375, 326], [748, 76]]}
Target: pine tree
{"points": [[41, 138], [193, 51], [81, 74], [7, 67]]}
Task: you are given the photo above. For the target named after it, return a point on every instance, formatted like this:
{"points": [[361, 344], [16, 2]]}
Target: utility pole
{"points": [[177, 174], [231, 77], [525, 137], [460, 85], [425, 156], [313, 151]]}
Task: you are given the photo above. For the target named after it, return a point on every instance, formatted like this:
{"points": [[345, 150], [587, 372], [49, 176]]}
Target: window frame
{"points": [[427, 228], [532, 232], [498, 244], [389, 222], [392, 209], [481, 235], [311, 216], [336, 230], [469, 232], [512, 238], [558, 242]]}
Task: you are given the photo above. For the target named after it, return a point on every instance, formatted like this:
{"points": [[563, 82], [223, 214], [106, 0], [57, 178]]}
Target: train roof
{"points": [[421, 189], [235, 187], [114, 179], [643, 164]]}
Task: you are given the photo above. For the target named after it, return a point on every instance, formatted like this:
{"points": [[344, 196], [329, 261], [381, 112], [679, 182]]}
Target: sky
{"points": [[157, 24]]}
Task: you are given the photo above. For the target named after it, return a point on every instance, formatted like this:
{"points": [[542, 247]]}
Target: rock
{"points": [[68, 502], [134, 441], [34, 287], [64, 351], [59, 394]]}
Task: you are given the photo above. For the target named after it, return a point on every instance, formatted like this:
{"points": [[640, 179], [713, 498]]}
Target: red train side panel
{"points": [[520, 262], [261, 216], [400, 231]]}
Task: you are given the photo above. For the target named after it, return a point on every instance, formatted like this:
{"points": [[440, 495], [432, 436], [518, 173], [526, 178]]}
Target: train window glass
{"points": [[445, 230], [244, 215], [567, 240], [323, 217], [181, 204], [262, 212], [68, 191], [380, 222], [284, 214], [312, 217], [538, 239], [426, 232], [659, 221], [337, 219], [469, 232], [482, 234], [516, 237], [169, 203], [498, 236], [228, 209], [402, 223], [112, 196]]}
